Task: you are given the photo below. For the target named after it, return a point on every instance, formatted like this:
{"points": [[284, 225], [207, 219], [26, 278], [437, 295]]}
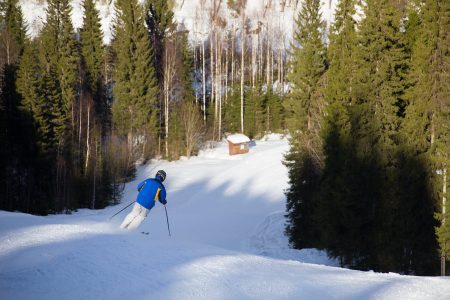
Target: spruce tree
{"points": [[59, 59], [253, 112], [307, 66], [304, 159], [15, 170], [159, 20], [135, 106], [231, 111], [92, 50], [382, 66], [273, 111], [33, 101], [60, 53], [427, 119], [187, 68], [338, 205], [13, 30]]}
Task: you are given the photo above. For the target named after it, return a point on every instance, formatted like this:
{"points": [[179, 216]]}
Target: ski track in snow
{"points": [[227, 220]]}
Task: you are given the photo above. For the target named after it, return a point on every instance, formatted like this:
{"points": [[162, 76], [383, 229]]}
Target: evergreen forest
{"points": [[364, 100]]}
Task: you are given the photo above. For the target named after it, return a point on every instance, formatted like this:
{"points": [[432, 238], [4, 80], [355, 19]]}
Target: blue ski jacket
{"points": [[151, 190]]}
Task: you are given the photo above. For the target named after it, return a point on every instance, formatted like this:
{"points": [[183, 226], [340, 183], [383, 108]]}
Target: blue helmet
{"points": [[160, 175]]}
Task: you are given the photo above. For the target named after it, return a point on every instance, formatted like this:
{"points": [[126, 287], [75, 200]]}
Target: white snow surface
{"points": [[227, 218], [238, 138]]}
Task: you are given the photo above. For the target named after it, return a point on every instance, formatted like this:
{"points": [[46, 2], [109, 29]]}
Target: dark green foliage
{"points": [[159, 20], [16, 141], [59, 51], [187, 65], [253, 112], [232, 111], [135, 108], [301, 197], [93, 53], [370, 201], [303, 161], [308, 65], [427, 122], [13, 30], [273, 112]]}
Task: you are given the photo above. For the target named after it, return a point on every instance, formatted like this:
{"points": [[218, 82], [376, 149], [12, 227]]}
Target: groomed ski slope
{"points": [[226, 217]]}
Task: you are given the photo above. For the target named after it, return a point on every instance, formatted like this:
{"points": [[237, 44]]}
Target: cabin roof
{"points": [[238, 138]]}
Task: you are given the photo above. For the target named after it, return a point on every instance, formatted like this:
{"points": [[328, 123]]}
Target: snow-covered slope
{"points": [[226, 218]]}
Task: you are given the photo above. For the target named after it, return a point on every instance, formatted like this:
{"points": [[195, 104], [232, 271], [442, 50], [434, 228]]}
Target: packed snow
{"points": [[226, 217]]}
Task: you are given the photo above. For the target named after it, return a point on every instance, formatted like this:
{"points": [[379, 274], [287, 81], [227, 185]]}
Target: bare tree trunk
{"points": [[226, 73], [169, 73], [80, 114], [195, 64], [271, 66], [233, 63], [204, 81], [166, 100], [88, 145], [242, 69], [261, 50], [220, 90], [268, 58], [217, 83], [8, 55], [97, 154], [254, 70], [211, 67], [282, 67], [242, 83]]}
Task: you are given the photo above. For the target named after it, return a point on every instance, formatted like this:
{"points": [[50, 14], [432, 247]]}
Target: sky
{"points": [[226, 217]]}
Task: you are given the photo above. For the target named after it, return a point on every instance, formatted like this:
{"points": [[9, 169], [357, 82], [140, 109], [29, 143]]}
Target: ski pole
{"points": [[120, 211], [167, 218]]}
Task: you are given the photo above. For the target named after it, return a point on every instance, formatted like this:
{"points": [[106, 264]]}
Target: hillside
{"points": [[189, 12], [226, 218]]}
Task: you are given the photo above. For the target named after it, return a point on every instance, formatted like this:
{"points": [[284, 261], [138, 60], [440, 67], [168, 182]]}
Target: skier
{"points": [[150, 190]]}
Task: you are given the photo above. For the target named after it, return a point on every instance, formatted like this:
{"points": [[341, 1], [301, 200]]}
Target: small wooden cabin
{"points": [[238, 144]]}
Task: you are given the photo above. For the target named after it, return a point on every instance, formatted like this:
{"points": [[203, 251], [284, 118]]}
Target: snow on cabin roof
{"points": [[238, 138]]}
